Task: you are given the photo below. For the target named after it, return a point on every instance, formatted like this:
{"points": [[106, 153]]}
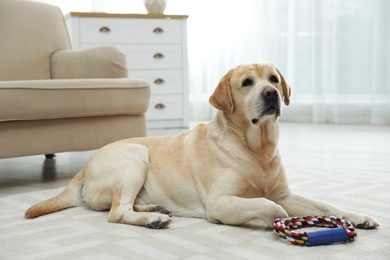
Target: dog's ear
{"points": [[222, 97], [285, 87]]}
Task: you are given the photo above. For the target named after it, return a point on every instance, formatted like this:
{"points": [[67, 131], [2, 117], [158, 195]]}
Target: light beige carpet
{"points": [[80, 233]]}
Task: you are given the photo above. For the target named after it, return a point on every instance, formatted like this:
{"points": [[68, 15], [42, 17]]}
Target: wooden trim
{"points": [[112, 15]]}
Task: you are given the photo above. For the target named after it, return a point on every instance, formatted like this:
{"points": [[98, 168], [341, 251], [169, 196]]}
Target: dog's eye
{"points": [[247, 82], [273, 79]]}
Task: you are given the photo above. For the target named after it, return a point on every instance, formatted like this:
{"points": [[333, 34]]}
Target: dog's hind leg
{"points": [[122, 212], [131, 178]]}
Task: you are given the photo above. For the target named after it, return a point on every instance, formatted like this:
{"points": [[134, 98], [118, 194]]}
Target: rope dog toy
{"points": [[341, 230]]}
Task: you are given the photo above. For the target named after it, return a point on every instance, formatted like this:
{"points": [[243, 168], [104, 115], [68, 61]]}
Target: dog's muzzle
{"points": [[270, 103]]}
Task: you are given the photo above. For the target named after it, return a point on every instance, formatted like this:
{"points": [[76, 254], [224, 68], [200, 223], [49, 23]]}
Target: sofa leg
{"points": [[50, 156]]}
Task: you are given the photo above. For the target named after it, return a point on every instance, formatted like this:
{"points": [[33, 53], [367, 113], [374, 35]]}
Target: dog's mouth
{"points": [[272, 109]]}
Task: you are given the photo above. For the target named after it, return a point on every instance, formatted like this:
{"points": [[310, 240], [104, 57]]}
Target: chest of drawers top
{"points": [[112, 15]]}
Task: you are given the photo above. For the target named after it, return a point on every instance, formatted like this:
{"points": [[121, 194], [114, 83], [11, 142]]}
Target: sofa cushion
{"points": [[71, 98], [96, 62]]}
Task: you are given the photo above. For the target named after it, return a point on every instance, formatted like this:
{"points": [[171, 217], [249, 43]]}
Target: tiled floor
{"points": [[352, 148]]}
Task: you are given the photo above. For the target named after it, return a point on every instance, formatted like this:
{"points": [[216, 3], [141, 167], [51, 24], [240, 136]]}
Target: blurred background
{"points": [[334, 53]]}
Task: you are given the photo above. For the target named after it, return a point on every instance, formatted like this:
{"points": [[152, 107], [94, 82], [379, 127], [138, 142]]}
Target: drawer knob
{"points": [[159, 81], [159, 106], [158, 30], [158, 56], [104, 29]]}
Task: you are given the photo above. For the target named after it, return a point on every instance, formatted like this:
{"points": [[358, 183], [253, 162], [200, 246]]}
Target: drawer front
{"points": [[122, 30], [152, 56], [149, 56], [165, 107], [161, 81]]}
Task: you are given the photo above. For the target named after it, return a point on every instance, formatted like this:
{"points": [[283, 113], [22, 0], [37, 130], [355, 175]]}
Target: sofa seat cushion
{"points": [[71, 98]]}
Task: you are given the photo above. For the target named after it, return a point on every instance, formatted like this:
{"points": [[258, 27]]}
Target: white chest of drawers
{"points": [[156, 51]]}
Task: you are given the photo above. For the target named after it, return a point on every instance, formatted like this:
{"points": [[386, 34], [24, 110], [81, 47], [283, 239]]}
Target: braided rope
{"points": [[283, 227]]}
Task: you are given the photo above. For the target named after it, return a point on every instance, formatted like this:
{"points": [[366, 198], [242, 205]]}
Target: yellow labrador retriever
{"points": [[228, 171]]}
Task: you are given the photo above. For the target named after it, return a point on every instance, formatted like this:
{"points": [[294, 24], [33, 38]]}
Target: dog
{"points": [[228, 171]]}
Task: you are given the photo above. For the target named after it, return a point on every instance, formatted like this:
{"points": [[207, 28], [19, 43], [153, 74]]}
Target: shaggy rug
{"points": [[80, 233]]}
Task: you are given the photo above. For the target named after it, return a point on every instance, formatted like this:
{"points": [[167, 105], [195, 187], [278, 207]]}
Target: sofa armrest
{"points": [[97, 62]]}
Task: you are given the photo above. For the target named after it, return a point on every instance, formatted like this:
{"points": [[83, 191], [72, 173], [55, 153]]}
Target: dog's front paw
{"points": [[275, 211], [363, 221]]}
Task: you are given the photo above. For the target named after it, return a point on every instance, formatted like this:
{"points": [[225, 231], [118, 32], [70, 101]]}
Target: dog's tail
{"points": [[70, 197]]}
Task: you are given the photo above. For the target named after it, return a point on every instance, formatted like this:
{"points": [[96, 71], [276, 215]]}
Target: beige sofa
{"points": [[53, 99]]}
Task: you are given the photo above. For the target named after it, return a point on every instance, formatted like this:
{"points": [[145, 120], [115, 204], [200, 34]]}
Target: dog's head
{"points": [[255, 91]]}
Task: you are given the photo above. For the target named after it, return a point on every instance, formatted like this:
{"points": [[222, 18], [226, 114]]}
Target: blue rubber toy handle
{"points": [[327, 236]]}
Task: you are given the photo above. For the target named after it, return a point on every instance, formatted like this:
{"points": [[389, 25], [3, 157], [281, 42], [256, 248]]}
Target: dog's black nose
{"points": [[270, 93], [271, 102]]}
